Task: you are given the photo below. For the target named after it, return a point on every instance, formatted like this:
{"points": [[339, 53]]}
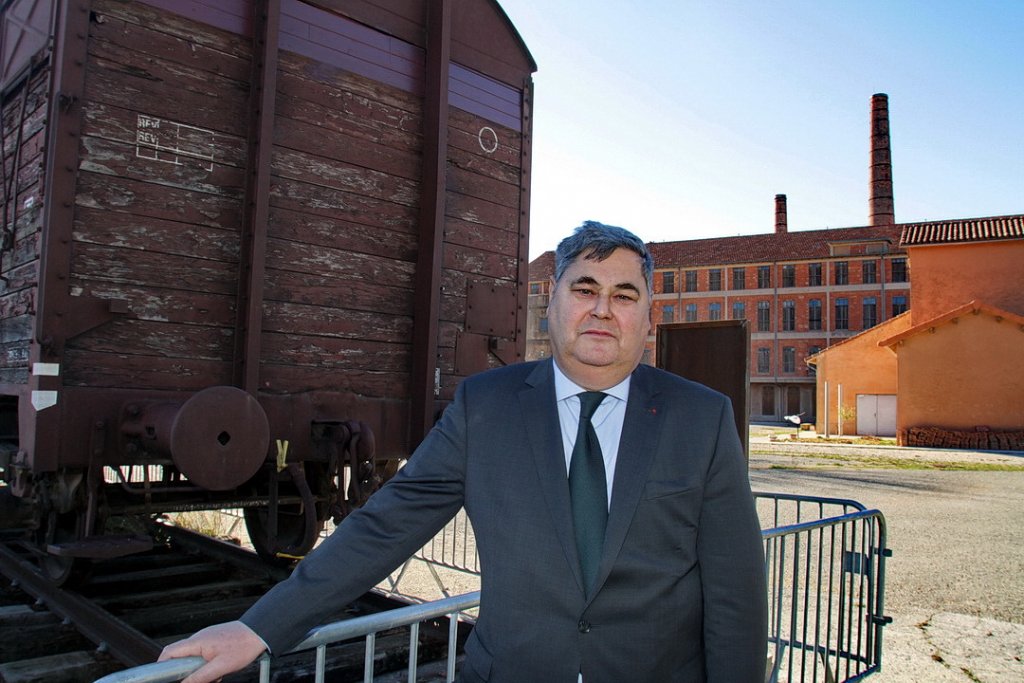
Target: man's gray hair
{"points": [[598, 241]]}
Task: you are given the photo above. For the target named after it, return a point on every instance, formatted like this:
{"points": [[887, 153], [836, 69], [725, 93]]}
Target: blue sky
{"points": [[681, 119]]}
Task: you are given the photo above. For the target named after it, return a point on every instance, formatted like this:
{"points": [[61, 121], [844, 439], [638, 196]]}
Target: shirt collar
{"points": [[565, 387]]}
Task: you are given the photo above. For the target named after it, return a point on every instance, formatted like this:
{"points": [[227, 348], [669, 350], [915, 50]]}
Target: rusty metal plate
{"points": [[491, 309], [220, 438]]}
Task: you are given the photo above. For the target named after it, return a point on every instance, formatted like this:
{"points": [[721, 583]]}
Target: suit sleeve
{"points": [[731, 560], [371, 542]]}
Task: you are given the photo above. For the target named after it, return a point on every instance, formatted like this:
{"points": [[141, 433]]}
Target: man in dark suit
{"points": [[616, 530]]}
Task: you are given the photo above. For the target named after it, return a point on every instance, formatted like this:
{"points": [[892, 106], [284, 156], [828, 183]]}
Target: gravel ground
{"points": [[955, 582]]}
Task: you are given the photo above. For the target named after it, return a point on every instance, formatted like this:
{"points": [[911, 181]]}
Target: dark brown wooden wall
{"points": [[22, 202], [159, 209]]}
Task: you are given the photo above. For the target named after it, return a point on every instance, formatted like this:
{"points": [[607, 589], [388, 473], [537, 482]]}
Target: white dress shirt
{"points": [[607, 421]]}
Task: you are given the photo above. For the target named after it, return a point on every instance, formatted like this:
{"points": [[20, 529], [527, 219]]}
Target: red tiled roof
{"points": [[964, 230], [765, 248], [542, 267]]}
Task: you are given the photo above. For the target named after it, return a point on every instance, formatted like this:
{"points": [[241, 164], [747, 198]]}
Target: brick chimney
{"points": [[880, 204], [780, 214]]}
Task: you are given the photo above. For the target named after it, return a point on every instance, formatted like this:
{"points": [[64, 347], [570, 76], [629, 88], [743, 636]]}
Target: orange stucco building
{"points": [[955, 360]]}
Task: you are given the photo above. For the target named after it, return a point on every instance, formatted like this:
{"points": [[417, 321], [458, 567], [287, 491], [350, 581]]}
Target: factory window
{"points": [[764, 360], [739, 310], [764, 316], [789, 276], [899, 270], [789, 359], [899, 305], [814, 314], [715, 311], [842, 314], [668, 282], [739, 278], [764, 277], [691, 313], [842, 273], [542, 325], [668, 314], [691, 280], [715, 280], [870, 312], [814, 274], [869, 269], [788, 316]]}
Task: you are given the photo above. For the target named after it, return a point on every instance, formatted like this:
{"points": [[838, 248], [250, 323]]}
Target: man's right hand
{"points": [[225, 647]]}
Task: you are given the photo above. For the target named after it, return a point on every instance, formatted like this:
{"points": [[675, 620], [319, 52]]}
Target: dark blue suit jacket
{"points": [[681, 590]]}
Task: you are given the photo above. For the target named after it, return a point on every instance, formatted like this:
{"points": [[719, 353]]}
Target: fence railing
{"points": [[318, 639], [824, 564]]}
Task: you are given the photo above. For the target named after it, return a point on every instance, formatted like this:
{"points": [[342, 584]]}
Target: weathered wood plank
{"points": [[340, 263], [165, 340], [332, 354], [288, 224], [164, 305], [302, 319], [501, 146], [481, 187], [174, 25], [113, 370], [368, 113], [139, 35], [321, 82], [479, 262], [321, 140], [317, 170], [287, 378], [116, 123], [155, 235], [348, 205], [197, 98], [476, 210], [183, 171], [111, 193], [320, 290], [479, 236], [141, 268]]}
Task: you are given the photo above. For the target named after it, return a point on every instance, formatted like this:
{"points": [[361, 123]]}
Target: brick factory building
{"points": [[800, 292]]}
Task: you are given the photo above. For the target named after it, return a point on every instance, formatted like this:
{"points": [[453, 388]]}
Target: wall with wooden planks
{"points": [[159, 199], [24, 135]]}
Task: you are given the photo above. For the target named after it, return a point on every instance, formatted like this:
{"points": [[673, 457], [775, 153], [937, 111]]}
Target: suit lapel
{"points": [[540, 414], [641, 430]]}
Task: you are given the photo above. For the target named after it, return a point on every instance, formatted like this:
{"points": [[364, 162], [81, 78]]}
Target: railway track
{"points": [[122, 611]]}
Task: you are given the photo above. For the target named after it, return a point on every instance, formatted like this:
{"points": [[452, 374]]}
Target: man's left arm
{"points": [[731, 558]]}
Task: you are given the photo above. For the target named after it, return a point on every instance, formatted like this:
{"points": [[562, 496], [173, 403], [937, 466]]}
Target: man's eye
{"points": [[626, 297]]}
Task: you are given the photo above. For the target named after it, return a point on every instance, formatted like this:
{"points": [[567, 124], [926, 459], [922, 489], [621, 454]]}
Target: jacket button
{"points": [[583, 626]]}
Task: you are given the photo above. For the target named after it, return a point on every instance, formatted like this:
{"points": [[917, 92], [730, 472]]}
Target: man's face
{"points": [[599, 317]]}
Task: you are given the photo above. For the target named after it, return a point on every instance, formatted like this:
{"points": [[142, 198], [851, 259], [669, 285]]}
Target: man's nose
{"points": [[602, 307]]}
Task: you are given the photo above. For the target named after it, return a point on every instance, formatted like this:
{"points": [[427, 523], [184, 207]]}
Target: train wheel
{"points": [[293, 539], [60, 528]]}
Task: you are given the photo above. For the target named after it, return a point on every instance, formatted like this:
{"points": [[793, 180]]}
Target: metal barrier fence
{"points": [[824, 562], [319, 638], [825, 565]]}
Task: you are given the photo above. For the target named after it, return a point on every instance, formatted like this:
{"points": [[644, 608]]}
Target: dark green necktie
{"points": [[588, 489]]}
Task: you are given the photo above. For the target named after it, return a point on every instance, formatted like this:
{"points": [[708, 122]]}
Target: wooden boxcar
{"points": [[248, 248]]}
